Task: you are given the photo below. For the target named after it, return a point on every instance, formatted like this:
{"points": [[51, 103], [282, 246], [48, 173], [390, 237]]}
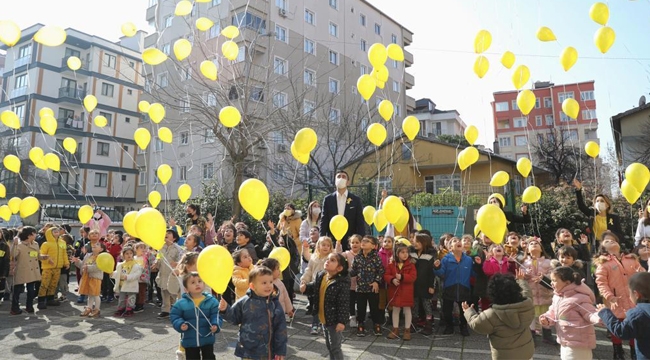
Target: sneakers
{"points": [[377, 330], [163, 315], [86, 312], [138, 309], [128, 313], [288, 319], [16, 312], [353, 321], [361, 332], [314, 330], [180, 355], [110, 299], [119, 312]]}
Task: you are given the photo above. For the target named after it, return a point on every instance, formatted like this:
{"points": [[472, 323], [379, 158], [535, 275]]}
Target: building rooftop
{"points": [[543, 85]]}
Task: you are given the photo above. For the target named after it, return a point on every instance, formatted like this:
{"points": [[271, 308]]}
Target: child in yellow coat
{"points": [[55, 255], [243, 266]]}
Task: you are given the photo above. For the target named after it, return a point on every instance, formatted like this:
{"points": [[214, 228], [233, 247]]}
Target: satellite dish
{"points": [[642, 100]]}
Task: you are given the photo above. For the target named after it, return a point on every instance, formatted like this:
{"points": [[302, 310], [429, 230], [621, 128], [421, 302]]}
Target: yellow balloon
{"points": [[531, 195], [411, 127], [74, 63], [254, 198], [100, 121], [281, 254], [229, 116], [366, 86], [156, 112], [45, 111], [12, 163], [500, 178], [3, 191], [153, 56], [306, 140], [379, 220], [568, 57], [492, 222], [52, 161], [599, 13], [105, 262], [41, 164], [498, 196], [380, 73], [369, 214], [154, 198], [592, 148], [508, 59], [468, 157], [164, 173], [50, 36], [403, 220], [36, 154], [204, 24], [638, 176], [182, 49], [49, 125], [521, 76], [302, 158], [571, 108], [85, 213], [395, 52], [10, 119], [151, 227], [377, 54], [9, 32], [215, 266], [90, 103], [184, 192], [29, 206], [129, 29], [230, 50], [392, 207], [386, 109], [380, 84], [471, 134], [524, 166], [338, 227], [604, 38], [142, 137], [482, 41], [481, 66], [183, 8], [5, 213], [14, 204], [526, 101], [630, 193], [143, 106], [477, 230], [230, 32], [165, 135], [209, 70], [376, 134], [545, 34], [129, 223]]}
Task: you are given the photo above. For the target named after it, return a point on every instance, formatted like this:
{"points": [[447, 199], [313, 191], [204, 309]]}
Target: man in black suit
{"points": [[342, 202]]}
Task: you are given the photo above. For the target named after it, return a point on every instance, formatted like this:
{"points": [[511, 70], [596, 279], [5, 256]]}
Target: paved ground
{"points": [[59, 333]]}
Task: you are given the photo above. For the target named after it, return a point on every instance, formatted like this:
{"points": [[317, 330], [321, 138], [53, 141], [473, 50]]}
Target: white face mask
{"points": [[601, 207], [315, 211], [341, 183], [287, 213]]}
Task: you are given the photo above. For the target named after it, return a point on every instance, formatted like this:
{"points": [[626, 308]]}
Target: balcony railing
{"points": [[21, 91], [71, 92], [22, 61], [64, 63], [74, 123], [64, 189]]}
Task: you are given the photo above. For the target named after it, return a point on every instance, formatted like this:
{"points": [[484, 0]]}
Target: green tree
{"points": [[453, 139]]}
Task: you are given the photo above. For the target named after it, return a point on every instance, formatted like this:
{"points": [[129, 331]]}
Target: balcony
{"points": [[64, 189], [407, 37], [151, 13], [410, 103], [409, 81], [21, 91], [64, 64], [22, 61], [72, 93], [408, 59], [71, 123], [258, 5]]}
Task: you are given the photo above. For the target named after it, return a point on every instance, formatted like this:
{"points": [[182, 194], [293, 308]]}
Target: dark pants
{"points": [[288, 283], [152, 286], [32, 290], [448, 309], [198, 353], [142, 294], [333, 341], [372, 300], [107, 286], [353, 302]]}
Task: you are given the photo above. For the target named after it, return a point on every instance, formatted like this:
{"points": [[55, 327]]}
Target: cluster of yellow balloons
{"points": [[395, 212], [605, 36], [26, 207], [148, 224], [338, 227], [254, 198], [467, 157], [157, 113], [636, 180], [303, 144], [215, 266], [482, 42], [378, 54], [592, 149], [373, 216], [44, 161]]}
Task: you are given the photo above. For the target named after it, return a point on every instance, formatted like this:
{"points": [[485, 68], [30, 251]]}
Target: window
{"points": [[564, 95], [377, 29], [363, 45], [514, 105], [589, 114], [167, 49], [587, 95], [334, 29], [101, 180], [521, 140], [210, 99], [335, 116], [280, 100], [334, 4], [308, 107], [393, 38], [169, 20], [334, 86], [282, 4], [184, 105], [537, 103], [257, 94], [504, 141], [215, 3], [310, 47], [103, 149], [277, 137], [182, 173], [310, 18], [398, 110], [186, 74], [108, 116], [25, 51], [208, 136], [362, 20], [185, 138], [129, 92], [280, 66], [107, 89], [520, 122], [158, 145], [123, 177], [334, 57], [310, 77], [126, 148], [406, 152], [214, 31], [19, 110], [248, 20], [142, 177], [110, 60], [501, 106], [548, 103], [281, 34], [570, 135], [278, 170], [549, 120], [395, 86], [21, 81], [538, 120], [364, 69], [208, 171], [439, 184], [241, 56], [395, 64], [564, 117]]}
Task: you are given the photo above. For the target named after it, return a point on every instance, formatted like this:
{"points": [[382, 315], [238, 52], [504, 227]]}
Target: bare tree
{"points": [[640, 151], [560, 155]]}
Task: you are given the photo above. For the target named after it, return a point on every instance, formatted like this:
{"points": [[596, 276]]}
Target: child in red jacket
{"points": [[400, 275]]}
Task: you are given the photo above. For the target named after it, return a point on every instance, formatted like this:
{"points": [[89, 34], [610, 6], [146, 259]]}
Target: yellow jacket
{"points": [[240, 280], [56, 249]]}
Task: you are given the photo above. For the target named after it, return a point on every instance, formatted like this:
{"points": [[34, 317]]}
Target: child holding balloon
{"points": [[316, 264], [91, 278]]}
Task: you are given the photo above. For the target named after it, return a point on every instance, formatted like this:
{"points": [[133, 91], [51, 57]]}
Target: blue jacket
{"points": [[201, 318], [456, 277], [262, 327], [636, 325]]}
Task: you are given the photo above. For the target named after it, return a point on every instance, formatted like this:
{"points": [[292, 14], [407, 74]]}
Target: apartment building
{"points": [[103, 169], [514, 131], [296, 58], [435, 122]]}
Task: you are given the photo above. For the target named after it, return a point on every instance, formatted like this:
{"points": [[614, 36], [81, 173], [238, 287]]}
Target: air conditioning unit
{"points": [[282, 12], [282, 148]]}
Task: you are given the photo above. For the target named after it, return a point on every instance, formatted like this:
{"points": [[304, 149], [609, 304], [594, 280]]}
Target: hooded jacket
{"points": [[292, 228], [456, 275], [541, 294], [57, 250], [507, 327], [492, 266], [402, 295], [262, 327], [337, 298], [130, 285], [240, 280], [635, 326], [199, 320], [612, 278]]}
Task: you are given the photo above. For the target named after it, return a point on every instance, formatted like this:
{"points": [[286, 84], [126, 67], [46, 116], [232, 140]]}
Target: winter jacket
{"points": [[456, 277], [507, 327], [541, 294], [572, 312], [337, 298], [349, 255], [385, 256], [612, 277], [172, 254], [291, 229], [143, 261], [283, 296], [583, 250], [27, 265], [115, 250], [578, 267], [251, 250], [492, 266], [57, 250], [130, 285], [402, 295], [5, 259], [240, 280], [199, 320], [368, 269], [480, 279], [316, 264], [294, 257], [92, 270], [99, 222], [635, 326], [262, 328], [424, 268]]}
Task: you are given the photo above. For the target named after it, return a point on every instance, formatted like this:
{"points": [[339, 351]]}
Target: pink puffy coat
{"points": [[612, 278], [541, 295], [492, 266], [573, 314]]}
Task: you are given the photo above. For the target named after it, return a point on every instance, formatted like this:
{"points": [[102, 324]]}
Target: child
{"points": [[573, 314], [612, 276], [316, 262], [385, 254], [537, 267], [424, 255], [186, 265], [25, 269], [496, 262], [167, 259], [91, 280], [331, 290], [260, 317], [369, 271], [455, 269], [643, 252], [637, 323], [355, 245], [196, 317], [283, 296], [126, 275], [513, 248], [143, 260], [244, 242], [56, 255], [64, 279], [193, 243], [114, 247], [568, 256], [565, 238], [243, 266], [400, 276]]}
